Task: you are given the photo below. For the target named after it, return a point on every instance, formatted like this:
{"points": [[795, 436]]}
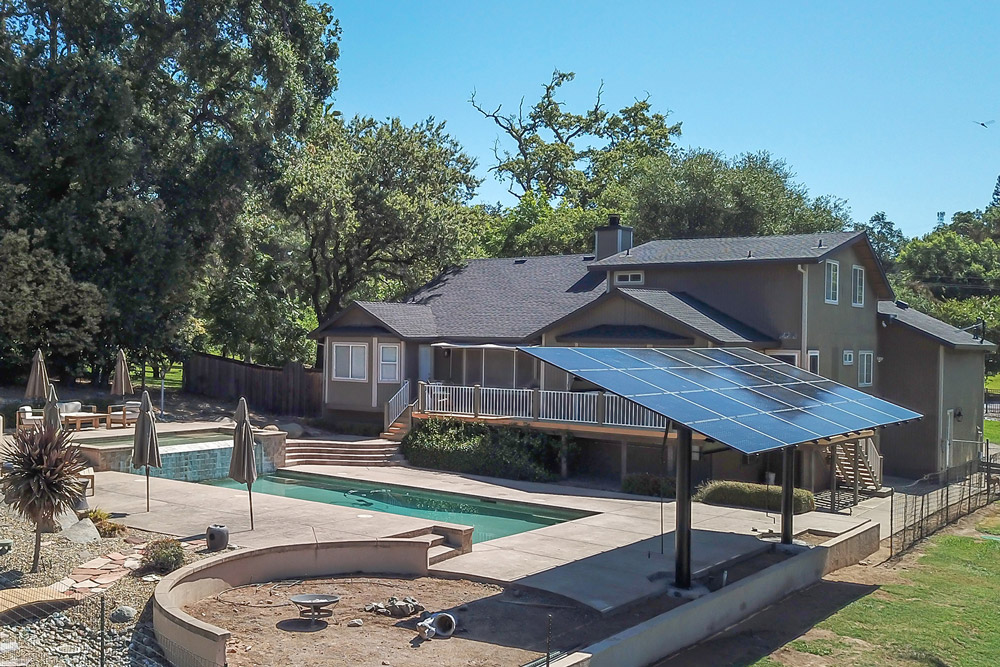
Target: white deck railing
{"points": [[874, 460], [620, 411], [568, 406], [498, 402], [397, 404], [595, 408]]}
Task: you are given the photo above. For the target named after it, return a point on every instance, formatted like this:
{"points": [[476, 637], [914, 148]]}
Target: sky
{"points": [[874, 103]]}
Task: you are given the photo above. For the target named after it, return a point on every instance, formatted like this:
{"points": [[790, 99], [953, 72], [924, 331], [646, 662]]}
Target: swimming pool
{"points": [[489, 518]]}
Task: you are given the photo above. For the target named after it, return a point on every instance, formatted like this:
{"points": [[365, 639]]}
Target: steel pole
{"points": [[682, 530], [787, 491]]}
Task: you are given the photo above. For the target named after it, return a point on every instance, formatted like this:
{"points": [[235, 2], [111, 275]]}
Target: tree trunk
{"points": [[38, 546]]}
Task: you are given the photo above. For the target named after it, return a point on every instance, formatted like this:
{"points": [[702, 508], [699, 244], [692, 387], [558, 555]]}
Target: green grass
{"points": [[991, 430], [993, 382], [990, 526], [944, 614], [174, 379]]}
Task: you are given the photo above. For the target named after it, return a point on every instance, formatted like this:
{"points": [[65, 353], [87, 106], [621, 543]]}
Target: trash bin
{"points": [[217, 537]]}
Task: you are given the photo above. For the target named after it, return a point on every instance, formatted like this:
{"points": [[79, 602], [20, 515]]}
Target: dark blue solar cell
{"points": [[811, 422], [622, 383], [738, 436], [841, 390], [754, 399], [563, 357], [796, 372], [719, 403], [895, 411], [722, 356], [655, 357], [778, 428], [815, 393], [675, 407], [665, 379], [750, 355], [703, 378], [682, 356], [613, 357], [847, 420], [772, 374], [866, 412], [784, 395]]}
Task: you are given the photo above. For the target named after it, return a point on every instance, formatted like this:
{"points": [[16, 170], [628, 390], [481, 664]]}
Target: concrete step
{"points": [[381, 451], [338, 456], [441, 552], [430, 539], [337, 462], [374, 443]]}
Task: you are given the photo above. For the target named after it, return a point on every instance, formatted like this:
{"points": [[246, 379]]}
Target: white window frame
{"points": [[848, 357], [829, 283], [630, 278], [856, 284], [862, 354], [350, 357], [784, 353], [395, 364], [812, 354]]}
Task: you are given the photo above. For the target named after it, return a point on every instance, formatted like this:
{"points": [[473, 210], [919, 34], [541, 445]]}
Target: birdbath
{"points": [[313, 605]]}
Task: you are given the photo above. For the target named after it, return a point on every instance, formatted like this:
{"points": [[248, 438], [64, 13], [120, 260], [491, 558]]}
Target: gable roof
{"points": [[506, 299], [621, 332], [942, 332], [741, 249], [710, 322]]}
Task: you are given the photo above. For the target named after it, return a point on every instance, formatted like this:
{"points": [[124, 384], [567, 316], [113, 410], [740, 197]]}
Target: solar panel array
{"points": [[739, 397]]}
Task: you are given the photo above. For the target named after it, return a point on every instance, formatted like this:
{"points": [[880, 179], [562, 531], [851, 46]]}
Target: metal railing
{"points": [[499, 402], [569, 406], [397, 404], [874, 460], [619, 411], [449, 399]]}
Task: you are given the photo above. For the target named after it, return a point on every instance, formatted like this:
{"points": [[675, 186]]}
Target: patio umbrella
{"points": [[121, 383], [51, 419], [145, 448], [38, 378], [243, 467]]}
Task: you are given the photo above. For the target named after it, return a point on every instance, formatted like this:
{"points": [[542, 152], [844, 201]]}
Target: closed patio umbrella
{"points": [[121, 383], [38, 378], [145, 448], [243, 467], [51, 419]]}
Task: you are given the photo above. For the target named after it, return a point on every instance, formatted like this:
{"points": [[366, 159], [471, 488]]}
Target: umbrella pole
{"points": [[147, 488], [250, 496]]}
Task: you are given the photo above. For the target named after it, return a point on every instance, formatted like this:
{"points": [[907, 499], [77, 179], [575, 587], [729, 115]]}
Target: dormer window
{"points": [[629, 278]]}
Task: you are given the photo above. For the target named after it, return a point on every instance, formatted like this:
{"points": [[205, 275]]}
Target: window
{"points": [[832, 281], [788, 356], [858, 286], [814, 361], [388, 363], [848, 357], [350, 361], [865, 360], [629, 277]]}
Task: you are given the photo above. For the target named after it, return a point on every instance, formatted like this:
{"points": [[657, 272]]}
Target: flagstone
{"points": [[96, 563], [86, 583]]}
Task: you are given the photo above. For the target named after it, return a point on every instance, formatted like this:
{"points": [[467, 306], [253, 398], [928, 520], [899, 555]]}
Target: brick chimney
{"points": [[612, 238]]}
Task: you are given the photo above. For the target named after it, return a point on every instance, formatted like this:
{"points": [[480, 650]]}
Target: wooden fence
{"points": [[292, 390]]}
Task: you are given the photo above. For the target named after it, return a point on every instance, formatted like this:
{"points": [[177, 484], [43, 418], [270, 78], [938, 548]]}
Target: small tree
{"points": [[43, 480]]}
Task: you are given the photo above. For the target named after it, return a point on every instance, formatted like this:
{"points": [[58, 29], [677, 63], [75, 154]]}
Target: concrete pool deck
{"points": [[605, 560]]}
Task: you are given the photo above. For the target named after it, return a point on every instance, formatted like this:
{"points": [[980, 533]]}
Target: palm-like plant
{"points": [[42, 480]]}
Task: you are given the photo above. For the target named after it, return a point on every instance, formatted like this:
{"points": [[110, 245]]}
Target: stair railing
{"points": [[397, 404], [874, 459]]}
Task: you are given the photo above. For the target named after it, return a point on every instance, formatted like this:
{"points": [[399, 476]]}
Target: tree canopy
{"points": [[886, 238]]}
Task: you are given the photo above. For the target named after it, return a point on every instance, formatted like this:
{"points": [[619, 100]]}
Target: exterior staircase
{"points": [[867, 472], [398, 429], [437, 549], [374, 452]]}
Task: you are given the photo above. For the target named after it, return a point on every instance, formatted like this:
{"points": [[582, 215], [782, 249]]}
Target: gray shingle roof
{"points": [[932, 327], [639, 332], [698, 315], [792, 248], [492, 300]]}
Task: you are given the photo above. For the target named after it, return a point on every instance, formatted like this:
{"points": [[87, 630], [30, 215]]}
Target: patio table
{"points": [[78, 419]]}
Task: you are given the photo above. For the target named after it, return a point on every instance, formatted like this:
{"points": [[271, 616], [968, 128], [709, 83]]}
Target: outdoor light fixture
{"points": [[958, 414]]}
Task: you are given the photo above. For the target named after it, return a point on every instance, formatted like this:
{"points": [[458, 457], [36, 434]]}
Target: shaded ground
{"points": [[496, 626], [934, 605]]}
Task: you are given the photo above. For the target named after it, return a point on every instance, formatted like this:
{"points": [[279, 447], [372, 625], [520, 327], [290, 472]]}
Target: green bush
{"points": [[752, 496], [645, 484], [164, 555], [108, 528], [480, 449], [97, 515]]}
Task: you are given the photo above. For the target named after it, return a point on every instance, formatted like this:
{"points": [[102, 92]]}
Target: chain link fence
{"points": [[934, 501]]}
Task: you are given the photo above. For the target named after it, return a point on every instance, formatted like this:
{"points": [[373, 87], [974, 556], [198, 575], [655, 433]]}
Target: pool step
{"points": [[376, 452], [441, 552]]}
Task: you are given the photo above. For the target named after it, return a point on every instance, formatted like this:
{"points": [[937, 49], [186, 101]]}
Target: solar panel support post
{"points": [[682, 531], [787, 493]]}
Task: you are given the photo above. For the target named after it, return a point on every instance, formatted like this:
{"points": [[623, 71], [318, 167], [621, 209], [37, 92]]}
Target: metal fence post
{"points": [[104, 626]]}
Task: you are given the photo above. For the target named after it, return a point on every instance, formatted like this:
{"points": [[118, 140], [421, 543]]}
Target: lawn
{"points": [[174, 379], [943, 613], [993, 382], [991, 430]]}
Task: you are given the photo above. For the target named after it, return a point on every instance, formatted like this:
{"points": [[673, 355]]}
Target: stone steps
{"points": [[375, 452], [441, 552]]}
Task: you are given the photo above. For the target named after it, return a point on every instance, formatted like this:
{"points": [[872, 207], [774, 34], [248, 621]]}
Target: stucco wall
{"points": [[358, 395], [619, 310], [963, 390]]}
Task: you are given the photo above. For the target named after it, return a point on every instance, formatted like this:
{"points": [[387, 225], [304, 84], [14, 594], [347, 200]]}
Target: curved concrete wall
{"points": [[186, 640]]}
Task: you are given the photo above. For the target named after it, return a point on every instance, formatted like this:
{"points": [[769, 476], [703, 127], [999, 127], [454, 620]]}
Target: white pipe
{"points": [[805, 315]]}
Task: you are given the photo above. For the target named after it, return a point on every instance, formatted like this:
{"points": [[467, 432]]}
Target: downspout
{"points": [[804, 354], [942, 447]]}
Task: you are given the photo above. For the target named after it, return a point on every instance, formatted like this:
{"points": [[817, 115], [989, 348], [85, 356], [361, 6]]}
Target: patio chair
{"points": [[27, 417], [125, 414]]}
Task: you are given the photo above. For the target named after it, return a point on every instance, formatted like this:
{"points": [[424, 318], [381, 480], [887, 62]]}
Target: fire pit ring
{"points": [[314, 605]]}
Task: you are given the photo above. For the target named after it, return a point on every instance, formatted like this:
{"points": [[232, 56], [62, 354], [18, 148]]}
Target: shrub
{"points": [[108, 528], [97, 515], [645, 484], [752, 496], [480, 449], [163, 555]]}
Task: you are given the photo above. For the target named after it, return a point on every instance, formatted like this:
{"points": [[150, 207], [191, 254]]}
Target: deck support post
{"points": [[536, 404], [477, 400], [857, 477], [624, 452], [682, 530], [787, 493], [833, 478], [421, 397], [601, 408]]}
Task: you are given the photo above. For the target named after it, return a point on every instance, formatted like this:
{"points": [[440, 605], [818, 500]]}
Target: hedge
{"points": [[752, 496], [481, 449], [645, 484]]}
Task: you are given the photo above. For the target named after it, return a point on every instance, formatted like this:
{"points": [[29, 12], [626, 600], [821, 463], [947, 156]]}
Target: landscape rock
{"points": [[123, 614], [271, 427], [292, 429], [355, 623], [82, 532]]}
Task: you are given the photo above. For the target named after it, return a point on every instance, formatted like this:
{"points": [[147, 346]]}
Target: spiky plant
{"points": [[43, 478]]}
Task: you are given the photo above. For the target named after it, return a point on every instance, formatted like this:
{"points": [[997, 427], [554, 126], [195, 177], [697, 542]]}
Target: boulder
{"points": [[292, 429], [123, 614], [82, 532], [271, 427]]}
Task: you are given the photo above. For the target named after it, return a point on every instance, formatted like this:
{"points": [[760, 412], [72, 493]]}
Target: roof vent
{"points": [[589, 258], [628, 251], [749, 254], [820, 244], [902, 304], [614, 220], [520, 261]]}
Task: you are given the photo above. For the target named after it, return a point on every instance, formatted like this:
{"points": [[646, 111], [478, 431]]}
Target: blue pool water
{"points": [[490, 519]]}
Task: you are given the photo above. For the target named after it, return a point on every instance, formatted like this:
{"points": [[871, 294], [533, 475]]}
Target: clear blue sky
{"points": [[872, 102]]}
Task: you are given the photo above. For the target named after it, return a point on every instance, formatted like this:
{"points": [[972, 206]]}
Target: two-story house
{"points": [[818, 301]]}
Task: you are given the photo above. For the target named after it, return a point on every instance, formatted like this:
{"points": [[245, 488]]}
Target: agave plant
{"points": [[42, 479]]}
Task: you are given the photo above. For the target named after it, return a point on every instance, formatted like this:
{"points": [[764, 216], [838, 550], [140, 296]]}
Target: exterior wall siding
{"points": [[964, 378], [355, 394]]}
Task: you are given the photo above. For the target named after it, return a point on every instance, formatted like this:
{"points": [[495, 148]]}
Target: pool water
{"points": [[490, 519]]}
